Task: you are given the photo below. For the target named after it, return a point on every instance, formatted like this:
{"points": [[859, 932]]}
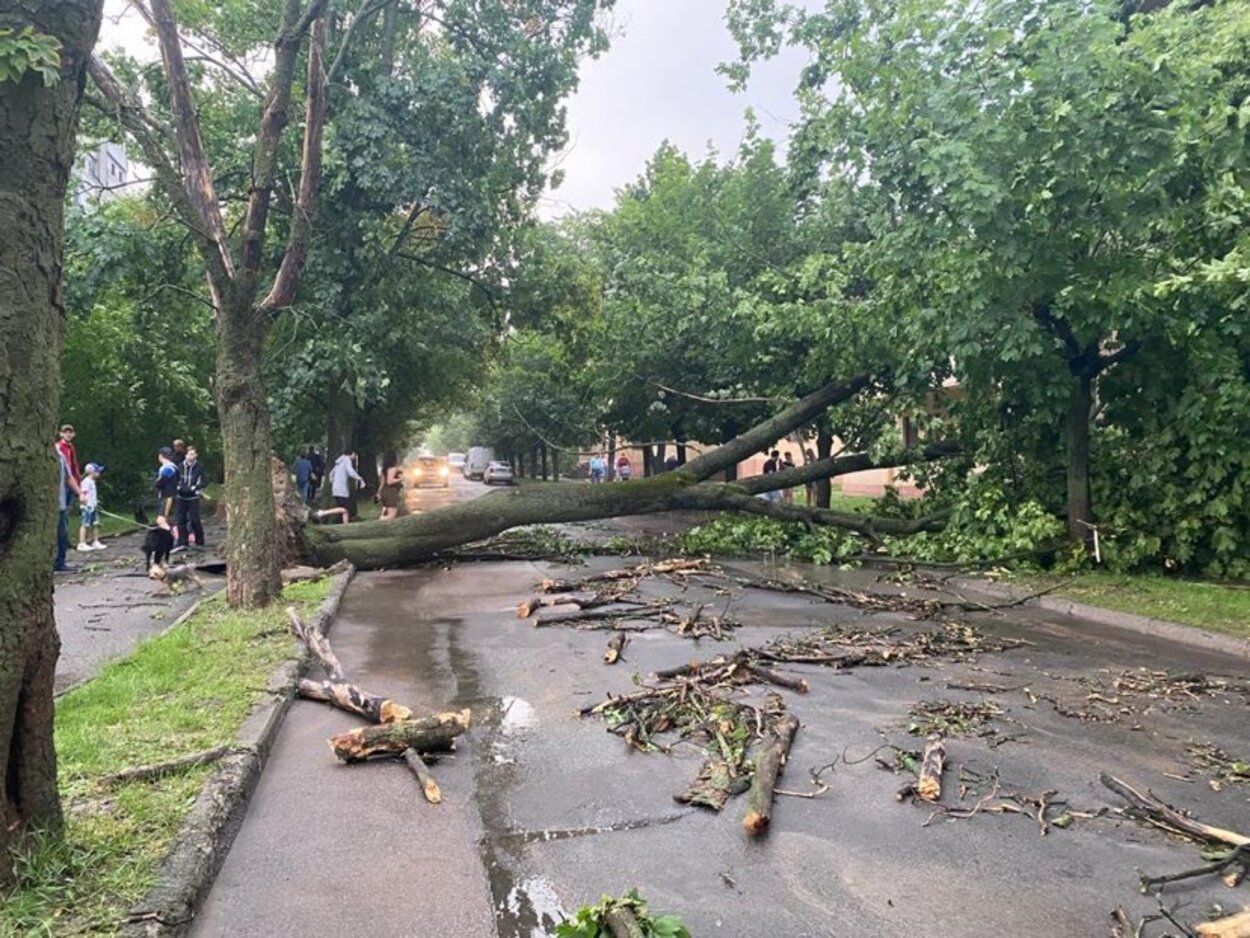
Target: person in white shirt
{"points": [[341, 477], [89, 520]]}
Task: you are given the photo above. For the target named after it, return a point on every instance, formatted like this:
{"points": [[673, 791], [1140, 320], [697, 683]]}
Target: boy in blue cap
{"points": [[89, 517]]}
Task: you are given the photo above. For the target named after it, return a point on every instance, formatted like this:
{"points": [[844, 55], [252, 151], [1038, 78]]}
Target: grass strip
{"points": [[181, 692]]}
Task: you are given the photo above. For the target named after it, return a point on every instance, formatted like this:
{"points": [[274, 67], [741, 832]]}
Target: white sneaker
{"points": [[98, 546], [85, 547]]}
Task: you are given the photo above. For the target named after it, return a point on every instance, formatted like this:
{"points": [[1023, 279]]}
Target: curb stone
{"points": [[1192, 635], [191, 865]]}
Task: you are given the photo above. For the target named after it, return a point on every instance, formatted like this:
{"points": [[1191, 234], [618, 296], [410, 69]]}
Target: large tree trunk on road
{"points": [[823, 490], [38, 122], [420, 537]]}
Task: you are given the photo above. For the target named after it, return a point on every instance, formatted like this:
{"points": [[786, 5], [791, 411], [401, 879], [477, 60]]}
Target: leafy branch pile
{"points": [[623, 917]]}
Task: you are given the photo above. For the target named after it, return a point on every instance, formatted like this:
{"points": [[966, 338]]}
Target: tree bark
{"points": [[728, 431], [254, 554], [824, 449], [1080, 498], [542, 448], [769, 765], [38, 122]]}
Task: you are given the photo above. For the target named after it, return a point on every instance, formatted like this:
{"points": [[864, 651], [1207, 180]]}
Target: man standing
{"points": [[179, 452], [318, 472], [68, 488], [303, 476], [190, 483], [65, 446]]}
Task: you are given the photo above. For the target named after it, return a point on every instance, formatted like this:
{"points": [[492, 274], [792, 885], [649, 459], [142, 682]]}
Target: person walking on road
{"points": [[770, 467], [303, 470], [89, 514], [191, 481], [623, 468], [390, 486], [341, 477], [596, 469]]}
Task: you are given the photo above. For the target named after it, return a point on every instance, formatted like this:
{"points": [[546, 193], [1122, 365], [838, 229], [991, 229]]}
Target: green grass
{"points": [[184, 691], [1219, 607]]}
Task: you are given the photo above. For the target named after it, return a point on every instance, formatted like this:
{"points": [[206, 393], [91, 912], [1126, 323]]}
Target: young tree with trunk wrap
{"points": [[44, 62]]}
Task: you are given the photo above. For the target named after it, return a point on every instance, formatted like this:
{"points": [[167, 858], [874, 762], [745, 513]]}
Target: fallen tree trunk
{"points": [[769, 764], [351, 698], [422, 537], [435, 733]]}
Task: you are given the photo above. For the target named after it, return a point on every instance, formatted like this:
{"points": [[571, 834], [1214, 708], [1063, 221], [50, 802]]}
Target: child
{"points": [[89, 528]]}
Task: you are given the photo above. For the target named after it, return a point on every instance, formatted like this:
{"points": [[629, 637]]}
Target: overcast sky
{"points": [[657, 82]]}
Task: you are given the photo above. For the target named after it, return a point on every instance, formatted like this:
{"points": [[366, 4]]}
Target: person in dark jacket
{"points": [[303, 470], [191, 482], [318, 472]]}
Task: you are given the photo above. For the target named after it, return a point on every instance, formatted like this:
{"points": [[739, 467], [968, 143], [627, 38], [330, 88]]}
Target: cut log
{"points": [[351, 698], [317, 644], [1150, 808], [617, 610], [435, 733], [429, 787], [622, 923], [1234, 926], [616, 645], [929, 782], [710, 789], [769, 764]]}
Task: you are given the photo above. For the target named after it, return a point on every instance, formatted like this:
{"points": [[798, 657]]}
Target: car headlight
{"points": [[442, 470], [417, 473]]}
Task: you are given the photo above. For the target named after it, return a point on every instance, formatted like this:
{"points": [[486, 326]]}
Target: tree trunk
{"points": [[38, 122], [729, 430], [543, 451], [824, 449], [657, 464], [1080, 499], [254, 555], [610, 472]]}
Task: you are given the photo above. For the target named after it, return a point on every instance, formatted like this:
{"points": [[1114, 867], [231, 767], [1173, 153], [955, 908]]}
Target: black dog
{"points": [[157, 545]]}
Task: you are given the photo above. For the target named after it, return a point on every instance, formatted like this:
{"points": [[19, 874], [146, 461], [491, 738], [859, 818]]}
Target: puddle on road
{"points": [[526, 906]]}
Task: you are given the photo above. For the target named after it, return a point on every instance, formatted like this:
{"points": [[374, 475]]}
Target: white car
{"points": [[497, 473], [456, 461]]}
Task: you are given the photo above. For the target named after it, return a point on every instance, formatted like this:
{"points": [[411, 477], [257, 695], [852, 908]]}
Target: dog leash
{"points": [[149, 527]]}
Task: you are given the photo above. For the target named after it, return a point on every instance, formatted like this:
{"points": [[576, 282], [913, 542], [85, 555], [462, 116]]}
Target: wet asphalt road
{"points": [[544, 811]]}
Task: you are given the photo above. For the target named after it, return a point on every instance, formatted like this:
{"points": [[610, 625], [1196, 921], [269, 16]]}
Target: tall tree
{"points": [[44, 48]]}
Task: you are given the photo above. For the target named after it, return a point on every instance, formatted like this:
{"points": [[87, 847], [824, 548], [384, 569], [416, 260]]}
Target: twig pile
{"points": [[609, 600], [841, 646]]}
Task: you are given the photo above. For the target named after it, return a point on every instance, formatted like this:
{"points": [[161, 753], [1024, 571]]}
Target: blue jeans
{"points": [[62, 539], [305, 491]]}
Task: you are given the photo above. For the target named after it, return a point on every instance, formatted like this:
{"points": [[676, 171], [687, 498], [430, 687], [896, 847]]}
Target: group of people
{"points": [[776, 462], [599, 468], [180, 478], [345, 481], [77, 486]]}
